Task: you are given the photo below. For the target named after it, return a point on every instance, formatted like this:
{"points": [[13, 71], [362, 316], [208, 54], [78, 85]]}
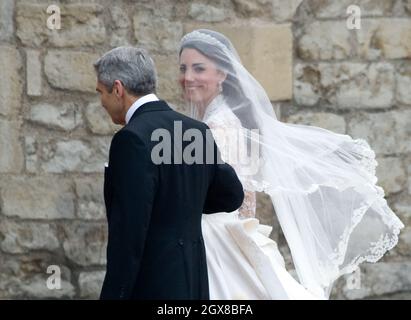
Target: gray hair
{"points": [[132, 66]]}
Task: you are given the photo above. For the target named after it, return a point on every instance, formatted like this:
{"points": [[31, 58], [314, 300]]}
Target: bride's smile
{"points": [[199, 77]]}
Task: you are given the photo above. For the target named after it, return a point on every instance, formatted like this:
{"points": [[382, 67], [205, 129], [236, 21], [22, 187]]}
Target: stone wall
{"points": [[358, 82], [54, 135]]}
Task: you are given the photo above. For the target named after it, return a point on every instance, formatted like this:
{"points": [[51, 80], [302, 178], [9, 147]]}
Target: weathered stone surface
{"points": [[375, 90], [404, 243], [252, 8], [284, 10], [19, 237], [37, 198], [335, 74], [153, 38], [265, 51], [85, 244], [394, 296], [66, 116], [33, 288], [273, 70], [338, 9], [387, 132], [98, 120], [407, 4], [120, 38], [30, 146], [11, 149], [6, 20], [345, 85], [318, 43], [37, 287], [409, 175], [90, 284], [388, 38], [33, 73], [31, 22], [90, 198], [10, 90], [81, 25], [403, 80], [84, 26], [168, 87], [307, 86], [381, 278], [65, 156], [120, 17], [75, 156], [391, 174], [207, 13], [324, 120], [402, 208], [121, 26], [382, 38], [71, 70], [25, 276]]}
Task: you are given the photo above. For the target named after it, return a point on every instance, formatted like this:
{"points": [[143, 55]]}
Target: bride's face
{"points": [[199, 77]]}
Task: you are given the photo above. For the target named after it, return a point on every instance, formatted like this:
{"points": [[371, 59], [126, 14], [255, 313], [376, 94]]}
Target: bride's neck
{"points": [[201, 112], [203, 106], [200, 107]]}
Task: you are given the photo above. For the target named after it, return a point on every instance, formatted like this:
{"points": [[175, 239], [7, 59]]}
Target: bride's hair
{"points": [[233, 94]]}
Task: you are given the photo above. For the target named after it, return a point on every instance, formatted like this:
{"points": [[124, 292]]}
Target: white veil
{"points": [[322, 184]]}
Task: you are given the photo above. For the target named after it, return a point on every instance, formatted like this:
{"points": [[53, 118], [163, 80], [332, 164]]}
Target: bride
{"points": [[322, 186]]}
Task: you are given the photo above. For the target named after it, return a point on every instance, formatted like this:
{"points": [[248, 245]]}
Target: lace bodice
{"points": [[226, 129]]}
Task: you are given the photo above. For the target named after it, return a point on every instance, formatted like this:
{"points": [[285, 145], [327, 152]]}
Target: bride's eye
{"points": [[199, 69], [182, 69]]}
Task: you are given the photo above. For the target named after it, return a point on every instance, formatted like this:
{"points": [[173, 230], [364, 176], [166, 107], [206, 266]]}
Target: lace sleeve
{"points": [[226, 138], [247, 209]]}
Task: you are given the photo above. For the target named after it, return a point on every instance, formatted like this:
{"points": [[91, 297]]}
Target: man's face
{"points": [[112, 103]]}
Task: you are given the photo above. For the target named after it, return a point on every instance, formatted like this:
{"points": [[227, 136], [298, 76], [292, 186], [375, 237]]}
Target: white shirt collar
{"points": [[138, 103]]}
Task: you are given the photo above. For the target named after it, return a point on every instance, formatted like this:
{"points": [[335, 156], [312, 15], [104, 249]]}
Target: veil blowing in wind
{"points": [[322, 184]]}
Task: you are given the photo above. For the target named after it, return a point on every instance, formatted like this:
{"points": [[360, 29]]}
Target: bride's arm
{"points": [[226, 137], [247, 209]]}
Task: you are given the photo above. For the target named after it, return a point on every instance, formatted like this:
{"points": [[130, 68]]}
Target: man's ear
{"points": [[118, 88]]}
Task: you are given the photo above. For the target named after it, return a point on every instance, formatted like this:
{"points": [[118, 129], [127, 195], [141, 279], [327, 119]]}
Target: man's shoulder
{"points": [[127, 134], [190, 122], [171, 115]]}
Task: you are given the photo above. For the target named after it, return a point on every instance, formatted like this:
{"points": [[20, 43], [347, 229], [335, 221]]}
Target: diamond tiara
{"points": [[197, 35]]}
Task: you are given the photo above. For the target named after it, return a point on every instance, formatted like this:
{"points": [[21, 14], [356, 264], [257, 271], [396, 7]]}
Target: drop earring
{"points": [[220, 86]]}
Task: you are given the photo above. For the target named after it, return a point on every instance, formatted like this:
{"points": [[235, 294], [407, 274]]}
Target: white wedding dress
{"points": [[242, 261]]}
